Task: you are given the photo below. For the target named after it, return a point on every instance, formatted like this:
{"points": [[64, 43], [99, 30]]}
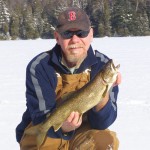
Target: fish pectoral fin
{"points": [[106, 90], [80, 117], [36, 131], [108, 87], [57, 126]]}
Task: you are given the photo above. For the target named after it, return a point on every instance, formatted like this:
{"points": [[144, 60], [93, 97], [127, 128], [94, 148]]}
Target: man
{"points": [[51, 75]]}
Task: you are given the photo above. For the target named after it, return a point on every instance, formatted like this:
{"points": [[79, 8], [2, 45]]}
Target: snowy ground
{"points": [[133, 54]]}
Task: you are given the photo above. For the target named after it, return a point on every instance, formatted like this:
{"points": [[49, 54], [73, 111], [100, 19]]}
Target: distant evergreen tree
{"points": [[4, 21], [99, 12], [148, 10], [144, 24], [145, 30], [95, 11], [47, 27], [37, 15], [106, 18], [139, 24], [121, 17], [101, 30], [28, 26], [49, 15], [79, 3], [30, 19], [76, 3], [14, 27]]}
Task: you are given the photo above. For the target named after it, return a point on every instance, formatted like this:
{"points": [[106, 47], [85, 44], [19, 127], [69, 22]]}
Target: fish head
{"points": [[109, 72]]}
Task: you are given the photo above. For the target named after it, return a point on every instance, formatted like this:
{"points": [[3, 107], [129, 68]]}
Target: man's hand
{"points": [[73, 122], [118, 81], [104, 101]]}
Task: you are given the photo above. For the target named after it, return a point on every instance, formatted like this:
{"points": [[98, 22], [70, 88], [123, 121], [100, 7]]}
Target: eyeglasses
{"points": [[70, 34]]}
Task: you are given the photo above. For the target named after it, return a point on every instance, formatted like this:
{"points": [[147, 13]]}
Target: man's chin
{"points": [[75, 51]]}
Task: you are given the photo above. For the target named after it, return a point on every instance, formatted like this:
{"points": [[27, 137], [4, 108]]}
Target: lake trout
{"points": [[80, 101]]}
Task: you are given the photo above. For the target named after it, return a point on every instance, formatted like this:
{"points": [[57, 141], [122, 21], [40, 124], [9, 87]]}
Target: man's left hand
{"points": [[118, 81]]}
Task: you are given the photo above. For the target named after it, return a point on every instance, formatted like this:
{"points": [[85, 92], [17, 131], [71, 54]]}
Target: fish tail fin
{"points": [[40, 139], [40, 134], [34, 130]]}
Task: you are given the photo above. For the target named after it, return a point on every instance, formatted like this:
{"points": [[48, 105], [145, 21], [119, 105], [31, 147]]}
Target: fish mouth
{"points": [[115, 67], [110, 72]]}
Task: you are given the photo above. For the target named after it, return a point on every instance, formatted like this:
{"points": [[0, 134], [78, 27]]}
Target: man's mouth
{"points": [[74, 46]]}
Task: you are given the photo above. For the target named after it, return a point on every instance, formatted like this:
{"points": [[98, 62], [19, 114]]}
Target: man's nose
{"points": [[75, 38]]}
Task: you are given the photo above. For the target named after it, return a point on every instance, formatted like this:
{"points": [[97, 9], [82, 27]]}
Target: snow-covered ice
{"points": [[133, 54]]}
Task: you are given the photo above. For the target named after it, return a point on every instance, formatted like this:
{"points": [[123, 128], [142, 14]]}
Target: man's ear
{"points": [[56, 37], [91, 34]]}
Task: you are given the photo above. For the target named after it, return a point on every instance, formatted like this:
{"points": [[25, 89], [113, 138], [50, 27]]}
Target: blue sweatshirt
{"points": [[41, 82]]}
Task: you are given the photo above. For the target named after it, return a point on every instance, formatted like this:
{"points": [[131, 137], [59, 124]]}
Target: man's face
{"points": [[74, 49]]}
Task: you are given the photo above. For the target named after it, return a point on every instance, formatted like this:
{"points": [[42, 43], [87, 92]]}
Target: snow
{"points": [[133, 54]]}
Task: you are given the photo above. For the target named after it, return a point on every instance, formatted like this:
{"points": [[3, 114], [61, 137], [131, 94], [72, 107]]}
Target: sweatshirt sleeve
{"points": [[40, 93], [107, 115]]}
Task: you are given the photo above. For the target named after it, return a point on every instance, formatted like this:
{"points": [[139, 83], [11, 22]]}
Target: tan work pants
{"points": [[84, 139]]}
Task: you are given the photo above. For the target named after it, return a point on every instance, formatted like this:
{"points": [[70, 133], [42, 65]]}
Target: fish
{"points": [[80, 101]]}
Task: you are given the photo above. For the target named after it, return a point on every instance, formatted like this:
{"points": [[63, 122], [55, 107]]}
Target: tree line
{"points": [[31, 19]]}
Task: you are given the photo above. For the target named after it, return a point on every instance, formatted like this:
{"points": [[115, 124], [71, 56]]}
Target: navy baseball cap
{"points": [[73, 17]]}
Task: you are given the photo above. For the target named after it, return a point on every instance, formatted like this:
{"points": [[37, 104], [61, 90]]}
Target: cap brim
{"points": [[75, 25]]}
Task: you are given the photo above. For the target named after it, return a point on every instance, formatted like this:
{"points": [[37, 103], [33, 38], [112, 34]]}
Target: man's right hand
{"points": [[72, 122]]}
